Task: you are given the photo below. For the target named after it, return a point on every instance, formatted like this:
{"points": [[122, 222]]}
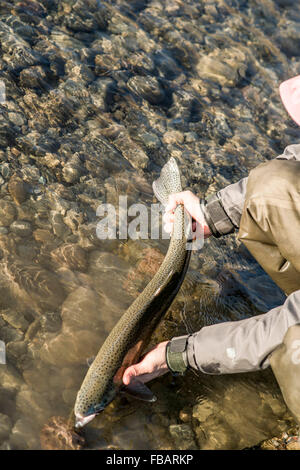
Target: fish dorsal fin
{"points": [[138, 390]]}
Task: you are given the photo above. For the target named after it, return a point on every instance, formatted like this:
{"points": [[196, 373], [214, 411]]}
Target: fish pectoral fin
{"points": [[138, 390], [90, 360]]}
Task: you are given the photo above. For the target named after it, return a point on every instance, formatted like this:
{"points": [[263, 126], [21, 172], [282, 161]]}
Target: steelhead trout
{"points": [[131, 335]]}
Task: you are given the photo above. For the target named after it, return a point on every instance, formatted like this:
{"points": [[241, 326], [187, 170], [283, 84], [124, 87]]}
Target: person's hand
{"points": [[192, 205], [151, 366]]}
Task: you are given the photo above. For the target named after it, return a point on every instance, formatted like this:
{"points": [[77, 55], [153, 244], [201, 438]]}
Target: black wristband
{"points": [[216, 217]]}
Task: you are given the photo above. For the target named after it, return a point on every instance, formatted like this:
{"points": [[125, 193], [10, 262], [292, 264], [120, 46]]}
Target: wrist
{"points": [[176, 355], [217, 220]]}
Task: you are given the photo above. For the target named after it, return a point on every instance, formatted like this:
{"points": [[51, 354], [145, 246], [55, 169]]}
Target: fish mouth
{"points": [[81, 421]]}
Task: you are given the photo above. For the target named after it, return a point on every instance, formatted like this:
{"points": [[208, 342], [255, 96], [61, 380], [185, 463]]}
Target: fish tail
{"points": [[168, 182]]}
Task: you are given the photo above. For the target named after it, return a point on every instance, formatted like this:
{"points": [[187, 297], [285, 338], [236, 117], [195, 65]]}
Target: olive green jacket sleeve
{"points": [[223, 210]]}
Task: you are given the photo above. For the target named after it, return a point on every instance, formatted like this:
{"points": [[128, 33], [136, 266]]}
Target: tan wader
{"points": [[270, 229]]}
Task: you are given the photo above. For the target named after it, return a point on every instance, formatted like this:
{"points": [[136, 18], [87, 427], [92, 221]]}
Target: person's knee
{"points": [[291, 342]]}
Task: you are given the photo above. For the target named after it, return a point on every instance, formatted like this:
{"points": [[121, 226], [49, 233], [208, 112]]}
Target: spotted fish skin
{"points": [[132, 333]]}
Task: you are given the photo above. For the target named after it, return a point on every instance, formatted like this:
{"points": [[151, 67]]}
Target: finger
{"points": [[129, 374], [168, 218], [173, 200], [136, 370], [168, 228]]}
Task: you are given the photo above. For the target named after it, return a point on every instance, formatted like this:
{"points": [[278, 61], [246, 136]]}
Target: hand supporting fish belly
{"points": [[131, 335]]}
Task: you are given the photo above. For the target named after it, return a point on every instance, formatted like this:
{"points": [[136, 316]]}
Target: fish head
{"points": [[86, 412], [81, 419]]}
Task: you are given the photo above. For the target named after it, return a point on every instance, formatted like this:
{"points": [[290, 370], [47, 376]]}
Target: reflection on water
{"points": [[98, 96]]}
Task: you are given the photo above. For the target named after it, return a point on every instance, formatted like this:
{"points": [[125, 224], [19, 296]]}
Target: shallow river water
{"points": [[95, 97]]}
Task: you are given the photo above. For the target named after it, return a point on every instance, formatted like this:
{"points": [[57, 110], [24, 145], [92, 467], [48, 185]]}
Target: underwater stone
{"points": [[23, 435], [148, 88], [7, 213], [71, 348], [151, 141], [34, 77], [131, 151], [21, 228], [71, 173], [81, 309], [202, 411], [15, 319], [5, 427], [183, 436], [226, 67], [59, 227], [72, 256], [41, 285]]}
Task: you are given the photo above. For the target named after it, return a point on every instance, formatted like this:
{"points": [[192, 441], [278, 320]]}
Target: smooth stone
{"points": [[148, 88], [16, 350], [69, 396], [183, 436], [16, 118], [9, 333], [73, 219], [43, 236], [101, 90], [71, 348], [33, 404], [37, 378], [131, 151], [51, 322], [15, 319], [42, 286], [7, 213], [5, 170], [34, 77], [22, 228], [173, 137], [203, 410], [10, 379], [71, 174], [225, 68], [151, 141], [71, 255], [82, 310], [5, 426], [59, 227], [217, 435], [24, 435]]}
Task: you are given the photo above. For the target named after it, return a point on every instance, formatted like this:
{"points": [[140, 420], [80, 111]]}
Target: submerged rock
{"points": [[183, 436], [71, 348], [5, 427], [7, 213], [148, 88], [40, 285], [72, 256], [81, 310], [57, 434], [17, 189]]}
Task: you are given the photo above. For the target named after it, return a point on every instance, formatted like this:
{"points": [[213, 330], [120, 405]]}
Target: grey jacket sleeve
{"points": [[223, 210], [244, 345]]}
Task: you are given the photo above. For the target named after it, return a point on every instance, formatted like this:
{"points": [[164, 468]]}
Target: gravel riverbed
{"points": [[98, 95]]}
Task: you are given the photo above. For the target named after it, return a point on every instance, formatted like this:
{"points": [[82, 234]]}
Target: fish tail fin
{"points": [[168, 181]]}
